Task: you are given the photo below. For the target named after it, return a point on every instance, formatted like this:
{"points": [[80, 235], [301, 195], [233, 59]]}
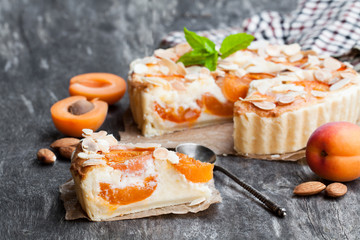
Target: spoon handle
{"points": [[279, 211]]}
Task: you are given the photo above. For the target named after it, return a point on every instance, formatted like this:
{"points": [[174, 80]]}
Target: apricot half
{"points": [[104, 86], [71, 124], [333, 151]]}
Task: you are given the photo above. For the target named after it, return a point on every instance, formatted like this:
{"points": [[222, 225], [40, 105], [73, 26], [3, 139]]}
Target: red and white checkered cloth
{"points": [[329, 27]]}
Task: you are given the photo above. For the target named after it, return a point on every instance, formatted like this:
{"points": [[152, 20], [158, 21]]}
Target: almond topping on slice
{"points": [[161, 153], [309, 188], [296, 57], [265, 105], [140, 68], [93, 162], [273, 50], [339, 84], [87, 132], [286, 99], [322, 75], [178, 85], [89, 145], [336, 190], [162, 53], [319, 94], [147, 145], [291, 49], [331, 63], [182, 48]]}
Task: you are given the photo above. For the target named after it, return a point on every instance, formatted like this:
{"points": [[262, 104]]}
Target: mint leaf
{"points": [[195, 57], [198, 42], [235, 42], [211, 61]]}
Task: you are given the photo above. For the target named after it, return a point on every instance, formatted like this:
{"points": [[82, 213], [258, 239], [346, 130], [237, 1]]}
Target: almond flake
{"points": [[182, 48], [319, 94], [172, 157], [265, 105], [228, 67], [178, 85], [83, 155], [285, 99], [87, 132], [192, 77], [181, 68], [339, 84], [110, 139], [103, 145], [331, 63], [161, 153], [164, 70], [296, 57], [322, 75], [273, 50], [140, 68], [205, 71], [162, 53], [93, 162], [348, 75], [89, 145], [291, 49]]}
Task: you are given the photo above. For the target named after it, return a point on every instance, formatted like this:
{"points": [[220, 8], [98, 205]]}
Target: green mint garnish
{"points": [[204, 52]]}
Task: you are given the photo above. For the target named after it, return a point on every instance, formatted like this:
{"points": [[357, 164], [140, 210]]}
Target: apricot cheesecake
{"points": [[113, 179], [276, 94]]}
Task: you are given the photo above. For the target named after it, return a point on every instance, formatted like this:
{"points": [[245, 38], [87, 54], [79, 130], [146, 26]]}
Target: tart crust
{"points": [[290, 131]]}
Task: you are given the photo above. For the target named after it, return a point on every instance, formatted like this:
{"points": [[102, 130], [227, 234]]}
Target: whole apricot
{"points": [[333, 151]]}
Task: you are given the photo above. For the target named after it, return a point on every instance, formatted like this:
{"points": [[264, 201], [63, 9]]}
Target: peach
{"points": [[333, 151]]}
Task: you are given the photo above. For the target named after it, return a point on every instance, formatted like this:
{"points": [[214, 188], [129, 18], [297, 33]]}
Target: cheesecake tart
{"points": [[113, 179], [277, 95]]}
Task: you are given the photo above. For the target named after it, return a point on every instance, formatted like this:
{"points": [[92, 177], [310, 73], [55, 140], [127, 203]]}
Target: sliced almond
{"points": [[331, 63], [87, 132], [173, 67], [93, 162], [140, 68], [162, 53], [291, 49], [319, 94], [309, 188], [296, 57], [348, 75], [89, 145], [265, 105], [65, 142], [66, 152], [178, 85], [99, 134], [286, 99], [181, 68], [339, 84], [273, 50], [103, 145], [205, 71], [164, 70], [110, 139], [182, 48], [336, 190], [322, 75], [161, 153]]}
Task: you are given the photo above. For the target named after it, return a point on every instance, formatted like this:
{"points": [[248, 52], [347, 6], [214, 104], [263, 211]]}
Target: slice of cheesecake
{"points": [[113, 179]]}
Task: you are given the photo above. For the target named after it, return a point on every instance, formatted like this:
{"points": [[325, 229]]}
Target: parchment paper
{"points": [[74, 211], [217, 137]]}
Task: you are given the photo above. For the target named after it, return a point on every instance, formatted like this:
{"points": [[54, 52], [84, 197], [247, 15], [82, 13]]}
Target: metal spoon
{"points": [[205, 154]]}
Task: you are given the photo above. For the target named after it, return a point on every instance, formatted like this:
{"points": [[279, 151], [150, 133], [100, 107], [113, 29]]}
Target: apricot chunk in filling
{"points": [[133, 163], [179, 115], [194, 170]]}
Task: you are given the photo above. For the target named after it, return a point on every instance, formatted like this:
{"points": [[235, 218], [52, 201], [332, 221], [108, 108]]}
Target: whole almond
{"points": [[66, 152], [46, 156], [64, 142], [309, 188], [336, 190]]}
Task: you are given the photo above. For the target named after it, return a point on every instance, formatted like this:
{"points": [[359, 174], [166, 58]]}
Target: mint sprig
{"points": [[204, 52]]}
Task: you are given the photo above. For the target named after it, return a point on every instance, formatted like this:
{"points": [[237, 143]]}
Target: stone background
{"points": [[44, 43]]}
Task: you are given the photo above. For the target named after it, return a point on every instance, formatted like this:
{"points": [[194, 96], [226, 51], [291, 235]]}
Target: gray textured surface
{"points": [[44, 43]]}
